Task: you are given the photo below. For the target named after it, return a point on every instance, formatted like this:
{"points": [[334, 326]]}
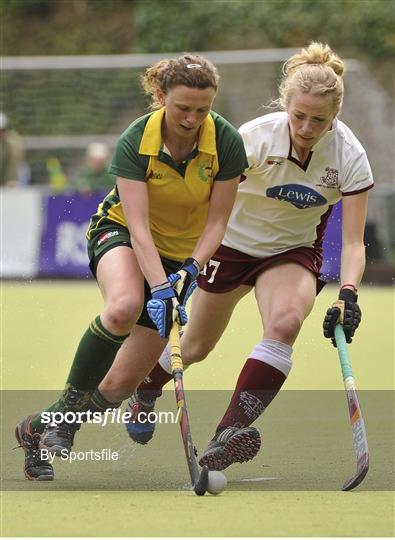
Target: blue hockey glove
{"points": [[184, 281], [161, 309]]}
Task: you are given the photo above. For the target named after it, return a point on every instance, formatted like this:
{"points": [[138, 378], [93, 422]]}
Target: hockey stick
{"points": [[357, 423], [199, 479]]}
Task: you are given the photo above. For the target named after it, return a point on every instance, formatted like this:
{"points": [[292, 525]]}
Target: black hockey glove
{"points": [[344, 311]]}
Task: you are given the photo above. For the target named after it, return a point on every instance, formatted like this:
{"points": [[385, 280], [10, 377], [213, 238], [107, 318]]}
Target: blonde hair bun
{"points": [[316, 53]]}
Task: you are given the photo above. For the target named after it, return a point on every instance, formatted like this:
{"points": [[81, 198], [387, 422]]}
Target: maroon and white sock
{"points": [[151, 387], [259, 381]]}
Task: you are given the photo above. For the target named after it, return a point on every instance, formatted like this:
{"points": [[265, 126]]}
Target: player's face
{"points": [[310, 117], [186, 109]]}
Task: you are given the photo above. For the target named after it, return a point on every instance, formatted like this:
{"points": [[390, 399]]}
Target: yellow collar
{"points": [[151, 141]]}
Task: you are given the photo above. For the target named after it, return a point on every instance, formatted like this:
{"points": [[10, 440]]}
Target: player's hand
{"points": [[164, 307], [184, 281], [344, 311]]}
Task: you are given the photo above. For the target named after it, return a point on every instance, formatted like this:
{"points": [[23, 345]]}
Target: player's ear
{"points": [[160, 96]]}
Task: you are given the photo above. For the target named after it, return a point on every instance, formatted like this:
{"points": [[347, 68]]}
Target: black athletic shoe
{"points": [[232, 445], [139, 428], [35, 468], [58, 438]]}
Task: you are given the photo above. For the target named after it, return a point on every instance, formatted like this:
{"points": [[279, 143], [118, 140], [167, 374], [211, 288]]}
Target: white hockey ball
{"points": [[217, 482]]}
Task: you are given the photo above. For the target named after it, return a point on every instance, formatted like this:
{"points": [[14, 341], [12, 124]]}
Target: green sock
{"points": [[94, 357], [98, 403], [71, 399]]}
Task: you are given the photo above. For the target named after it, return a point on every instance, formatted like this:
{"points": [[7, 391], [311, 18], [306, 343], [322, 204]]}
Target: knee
{"points": [[285, 326], [121, 314]]}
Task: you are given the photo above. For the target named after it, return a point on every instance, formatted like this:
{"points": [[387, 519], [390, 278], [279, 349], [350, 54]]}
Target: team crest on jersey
{"points": [[155, 176], [205, 170], [330, 179], [300, 196], [274, 162]]}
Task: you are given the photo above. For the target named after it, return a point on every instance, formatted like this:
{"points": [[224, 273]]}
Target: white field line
{"points": [[260, 479]]}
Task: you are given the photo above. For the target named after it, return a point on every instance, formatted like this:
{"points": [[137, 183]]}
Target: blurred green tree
{"points": [[360, 27]]}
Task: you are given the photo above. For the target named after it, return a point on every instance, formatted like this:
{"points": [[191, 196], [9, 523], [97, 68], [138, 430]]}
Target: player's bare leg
{"points": [[209, 317], [134, 361], [285, 295], [121, 283]]}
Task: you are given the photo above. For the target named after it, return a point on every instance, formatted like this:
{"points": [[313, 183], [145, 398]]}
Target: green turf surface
{"points": [[183, 514], [42, 323]]}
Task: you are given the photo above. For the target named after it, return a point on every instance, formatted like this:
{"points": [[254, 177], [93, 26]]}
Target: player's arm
{"points": [[134, 199], [232, 163], [222, 199], [221, 203], [353, 248], [346, 309]]}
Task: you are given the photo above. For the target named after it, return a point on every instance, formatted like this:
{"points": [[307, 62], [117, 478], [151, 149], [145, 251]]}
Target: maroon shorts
{"points": [[228, 268]]}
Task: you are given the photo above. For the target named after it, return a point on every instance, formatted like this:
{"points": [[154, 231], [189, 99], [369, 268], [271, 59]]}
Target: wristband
{"points": [[192, 266], [349, 285], [348, 295], [163, 291]]}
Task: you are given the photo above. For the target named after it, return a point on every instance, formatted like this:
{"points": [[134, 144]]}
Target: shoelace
{"points": [[34, 446], [72, 398], [65, 428], [135, 409], [31, 444], [27, 442]]}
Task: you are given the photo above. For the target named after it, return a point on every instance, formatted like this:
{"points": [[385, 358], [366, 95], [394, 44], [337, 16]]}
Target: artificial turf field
{"points": [[290, 489]]}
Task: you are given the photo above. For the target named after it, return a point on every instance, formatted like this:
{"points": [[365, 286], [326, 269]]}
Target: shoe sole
{"points": [[240, 448], [41, 478], [217, 461], [141, 437]]}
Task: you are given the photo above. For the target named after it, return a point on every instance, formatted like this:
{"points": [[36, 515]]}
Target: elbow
{"points": [[355, 245]]}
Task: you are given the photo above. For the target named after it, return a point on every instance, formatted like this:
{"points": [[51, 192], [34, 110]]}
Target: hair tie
{"points": [[191, 66]]}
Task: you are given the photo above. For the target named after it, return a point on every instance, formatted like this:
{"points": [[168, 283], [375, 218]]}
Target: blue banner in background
{"points": [[332, 245], [66, 217], [63, 243]]}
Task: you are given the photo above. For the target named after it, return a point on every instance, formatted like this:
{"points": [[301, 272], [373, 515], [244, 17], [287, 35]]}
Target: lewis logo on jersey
{"points": [[300, 196]]}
